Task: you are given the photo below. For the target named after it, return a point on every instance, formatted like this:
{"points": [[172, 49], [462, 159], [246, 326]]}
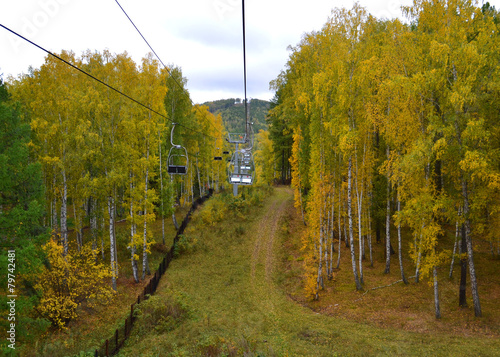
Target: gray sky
{"points": [[203, 37]]}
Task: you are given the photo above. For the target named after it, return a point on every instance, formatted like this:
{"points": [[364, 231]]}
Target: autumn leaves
{"points": [[104, 156], [394, 124]]}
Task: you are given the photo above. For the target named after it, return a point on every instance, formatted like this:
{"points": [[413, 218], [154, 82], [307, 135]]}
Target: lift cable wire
{"points": [[159, 59], [102, 82], [244, 66]]}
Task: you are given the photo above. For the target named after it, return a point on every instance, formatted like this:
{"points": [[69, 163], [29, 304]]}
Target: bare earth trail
{"points": [[265, 236], [231, 285]]}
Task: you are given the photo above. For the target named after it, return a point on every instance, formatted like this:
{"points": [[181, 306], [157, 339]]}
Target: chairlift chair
{"points": [[237, 138], [241, 170], [177, 162], [217, 157]]}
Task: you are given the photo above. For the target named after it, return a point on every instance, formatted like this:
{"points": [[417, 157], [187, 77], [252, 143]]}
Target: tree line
{"points": [[102, 158], [232, 111], [392, 128]]}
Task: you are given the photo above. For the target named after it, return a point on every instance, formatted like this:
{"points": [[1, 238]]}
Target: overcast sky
{"points": [[203, 37]]}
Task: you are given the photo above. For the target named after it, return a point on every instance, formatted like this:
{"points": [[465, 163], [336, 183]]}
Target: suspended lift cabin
{"points": [[177, 162]]}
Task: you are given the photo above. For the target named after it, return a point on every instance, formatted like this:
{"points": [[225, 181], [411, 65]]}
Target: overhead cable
{"points": [[244, 64], [159, 59]]}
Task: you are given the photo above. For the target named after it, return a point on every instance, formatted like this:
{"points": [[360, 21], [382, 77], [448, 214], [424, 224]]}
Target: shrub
{"points": [[213, 211], [162, 313], [185, 244], [68, 281]]}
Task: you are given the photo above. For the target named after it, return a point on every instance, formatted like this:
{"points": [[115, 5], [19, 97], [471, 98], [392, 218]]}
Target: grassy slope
{"points": [[233, 298]]}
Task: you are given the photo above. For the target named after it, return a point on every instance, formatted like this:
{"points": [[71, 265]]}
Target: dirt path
{"points": [[263, 249]]}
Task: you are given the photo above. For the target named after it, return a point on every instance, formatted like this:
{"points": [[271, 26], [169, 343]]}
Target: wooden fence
{"points": [[112, 345]]}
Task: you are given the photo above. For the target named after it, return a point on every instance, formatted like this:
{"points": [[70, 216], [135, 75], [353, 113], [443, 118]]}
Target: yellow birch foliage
{"points": [[264, 158], [70, 281], [294, 161]]}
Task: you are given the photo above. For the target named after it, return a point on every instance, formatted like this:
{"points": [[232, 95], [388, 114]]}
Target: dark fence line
{"points": [[112, 345]]}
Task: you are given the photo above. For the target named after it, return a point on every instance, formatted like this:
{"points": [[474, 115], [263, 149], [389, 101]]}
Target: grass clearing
{"points": [[241, 288]]}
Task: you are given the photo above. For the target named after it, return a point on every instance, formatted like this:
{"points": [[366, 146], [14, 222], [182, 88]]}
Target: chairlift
{"points": [[237, 138], [217, 157], [177, 162], [235, 179], [241, 168]]}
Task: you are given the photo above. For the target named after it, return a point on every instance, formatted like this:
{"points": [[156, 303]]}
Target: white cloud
{"points": [[203, 37]]}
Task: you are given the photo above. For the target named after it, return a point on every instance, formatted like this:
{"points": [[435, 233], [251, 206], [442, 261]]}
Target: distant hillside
{"points": [[233, 113]]}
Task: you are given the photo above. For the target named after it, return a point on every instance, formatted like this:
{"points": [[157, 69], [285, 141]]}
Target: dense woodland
{"points": [[392, 129], [93, 157], [232, 112]]}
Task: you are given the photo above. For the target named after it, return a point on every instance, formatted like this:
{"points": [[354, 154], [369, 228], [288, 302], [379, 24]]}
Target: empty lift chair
{"points": [[217, 157], [177, 161], [241, 168], [247, 168], [234, 169]]}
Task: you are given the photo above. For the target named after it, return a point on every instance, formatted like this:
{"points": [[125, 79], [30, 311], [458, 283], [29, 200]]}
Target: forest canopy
{"points": [[97, 156], [394, 126]]}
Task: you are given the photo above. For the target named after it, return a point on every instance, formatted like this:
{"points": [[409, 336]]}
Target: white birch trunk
{"points": [[320, 263], [360, 235], [340, 226], [359, 198], [145, 263], [468, 238], [470, 252], [418, 246], [53, 216], [325, 241], [454, 250], [53, 204], [161, 191], [64, 215], [332, 234], [111, 208], [320, 255], [400, 248], [133, 231], [114, 234], [436, 293], [79, 238], [351, 233], [324, 232], [388, 224]]}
